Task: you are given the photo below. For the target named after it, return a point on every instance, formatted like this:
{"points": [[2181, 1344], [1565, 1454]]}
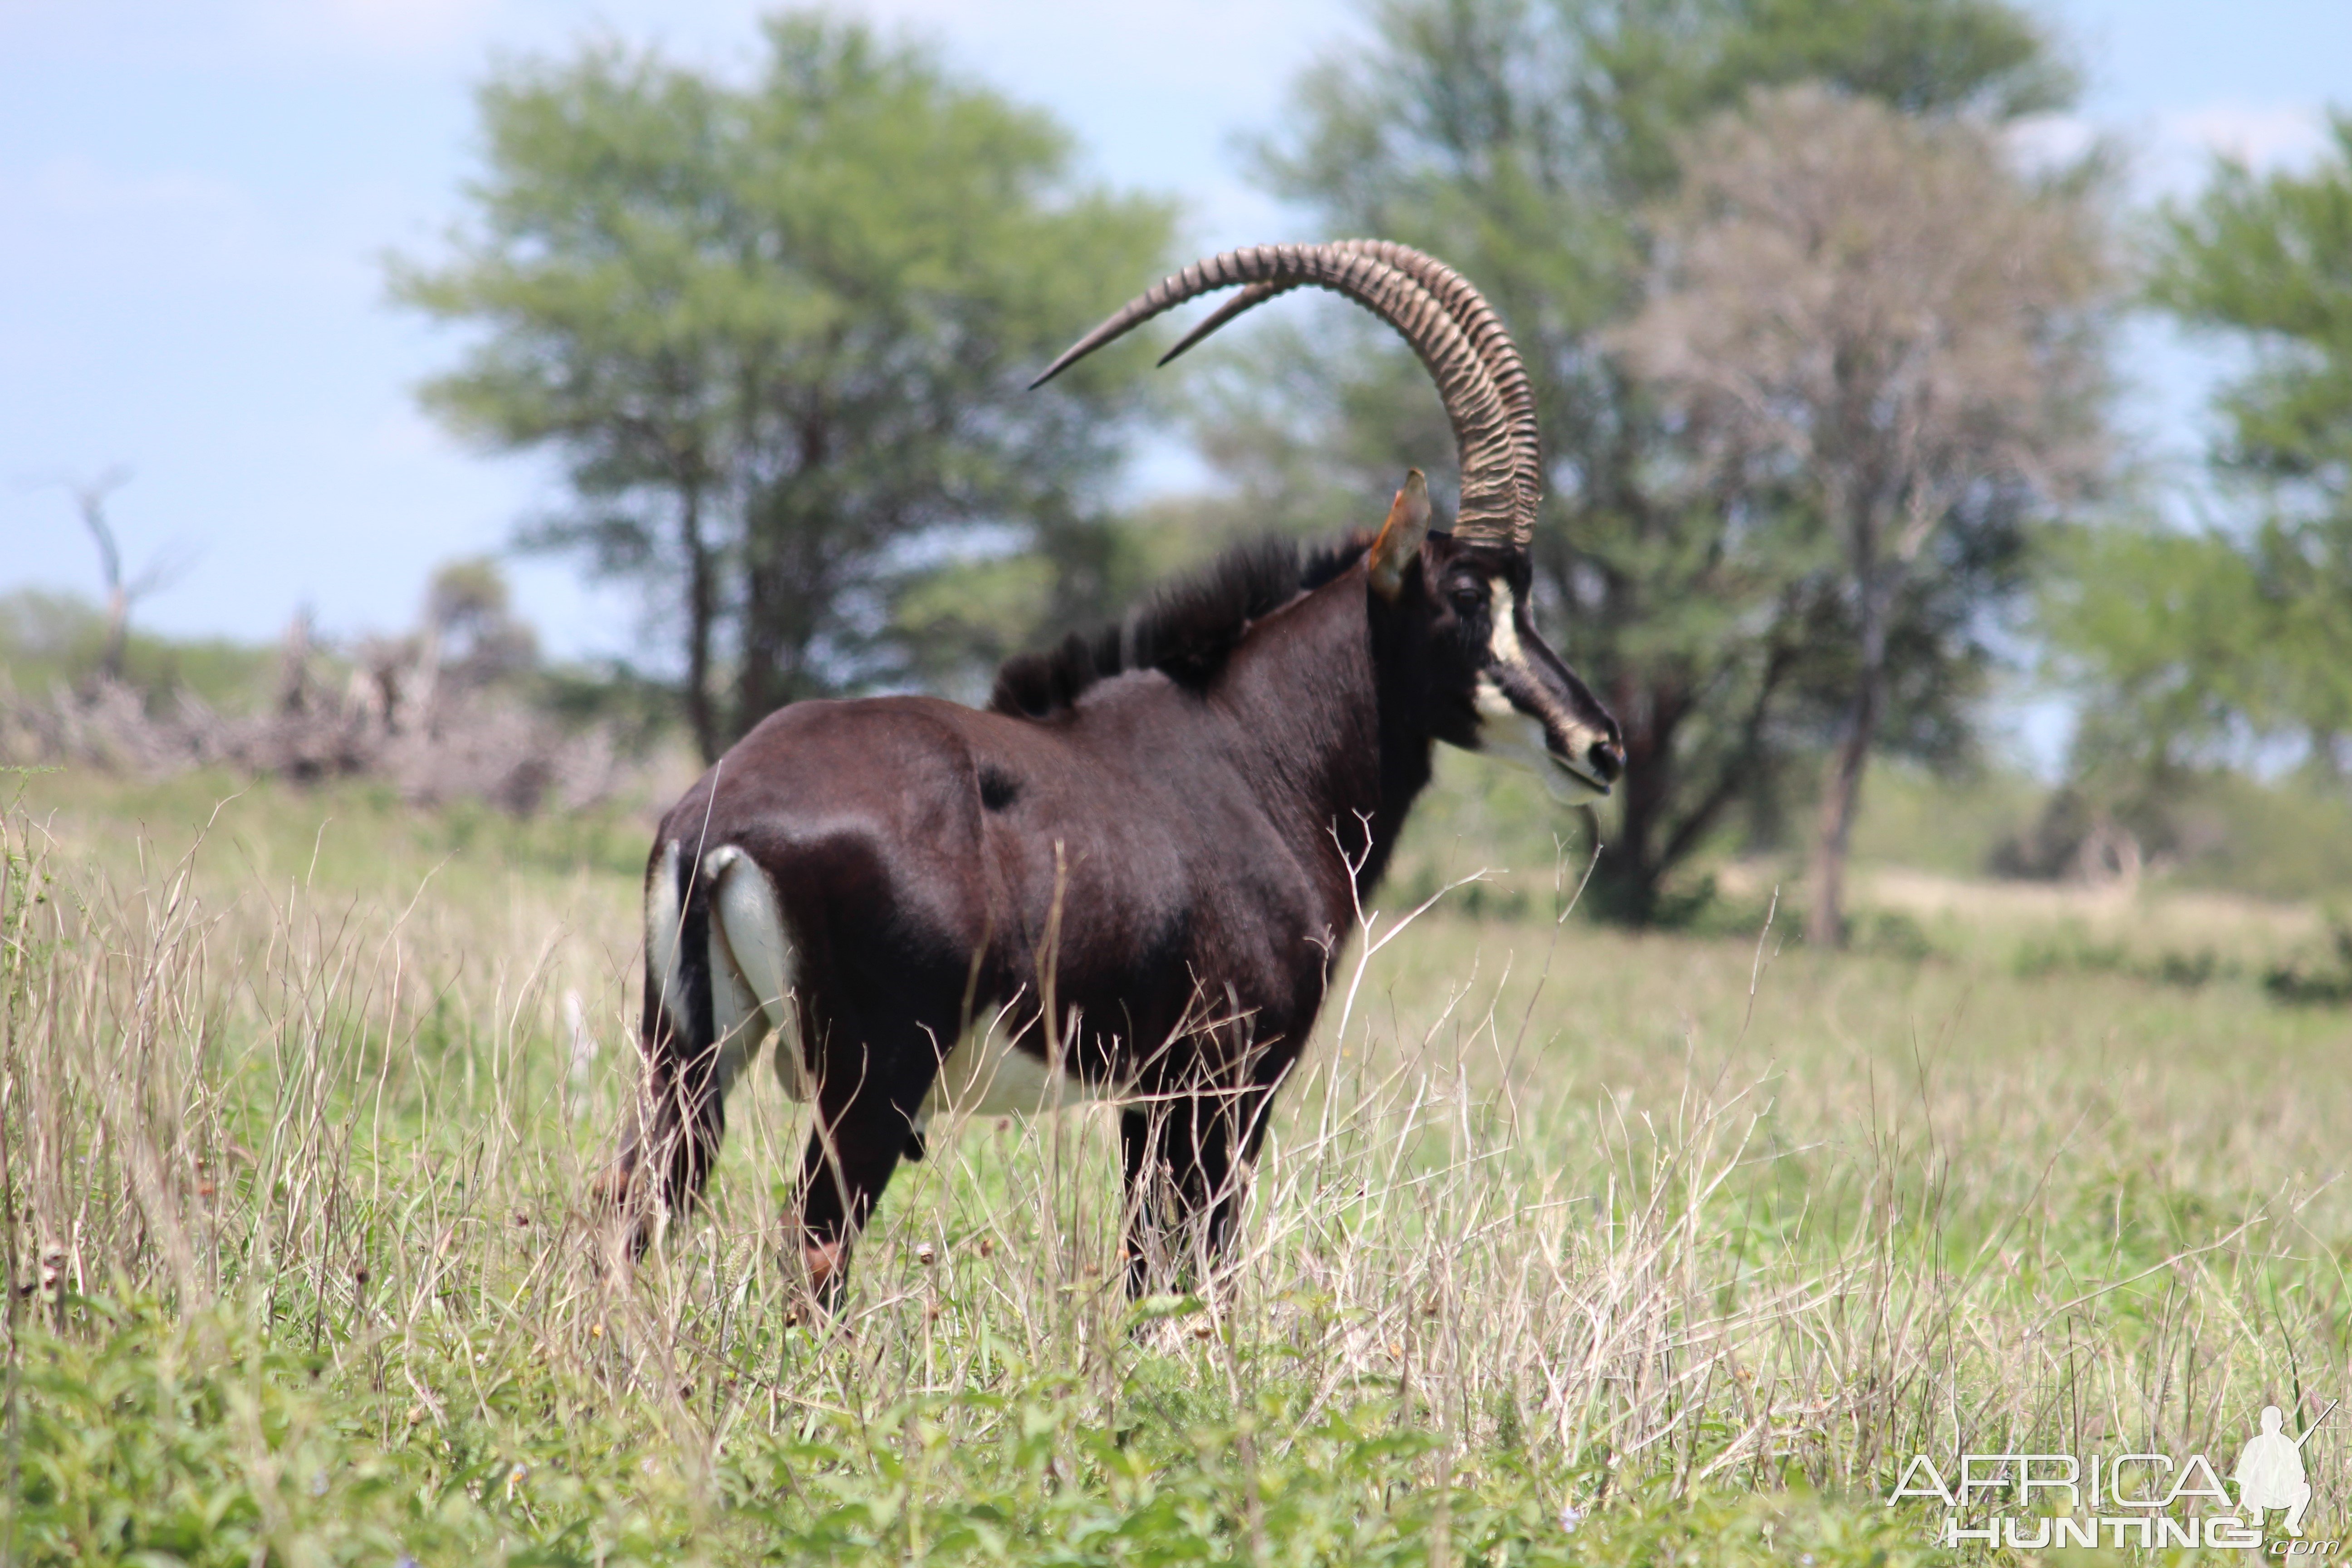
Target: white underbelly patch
{"points": [[987, 1075]]}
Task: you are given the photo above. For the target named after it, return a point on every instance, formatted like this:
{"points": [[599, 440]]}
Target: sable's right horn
{"points": [[1484, 433], [1478, 322]]}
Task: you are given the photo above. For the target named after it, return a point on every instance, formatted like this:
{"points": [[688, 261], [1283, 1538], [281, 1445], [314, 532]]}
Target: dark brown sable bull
{"points": [[1130, 878]]}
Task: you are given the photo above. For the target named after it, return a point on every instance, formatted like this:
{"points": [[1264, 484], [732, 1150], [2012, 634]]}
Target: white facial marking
{"points": [[1504, 640], [1508, 731]]}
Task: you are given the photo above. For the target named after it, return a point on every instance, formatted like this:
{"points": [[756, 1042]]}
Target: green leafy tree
{"points": [[477, 639], [2263, 261], [2194, 653], [1525, 141], [2157, 632], [779, 334]]}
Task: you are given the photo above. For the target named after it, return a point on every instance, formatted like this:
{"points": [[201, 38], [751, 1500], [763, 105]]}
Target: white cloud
{"points": [[406, 27], [90, 234], [401, 434], [2175, 154], [78, 186], [2051, 140], [2260, 135]]}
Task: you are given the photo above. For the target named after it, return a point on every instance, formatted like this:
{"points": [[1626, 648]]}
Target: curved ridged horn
{"points": [[1484, 432], [1478, 322]]}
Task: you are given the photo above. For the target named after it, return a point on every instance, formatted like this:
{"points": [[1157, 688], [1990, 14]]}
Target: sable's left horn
{"points": [[1459, 356], [1477, 321]]}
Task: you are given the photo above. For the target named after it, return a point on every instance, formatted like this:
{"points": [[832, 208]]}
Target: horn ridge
{"points": [[1484, 429], [1484, 328], [1478, 322]]}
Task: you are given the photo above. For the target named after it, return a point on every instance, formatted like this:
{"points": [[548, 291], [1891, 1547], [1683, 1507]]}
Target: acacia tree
{"points": [[1877, 314], [779, 334], [1528, 142], [2263, 261], [2193, 650]]}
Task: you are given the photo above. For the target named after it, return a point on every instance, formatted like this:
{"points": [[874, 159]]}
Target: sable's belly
{"points": [[987, 1075]]}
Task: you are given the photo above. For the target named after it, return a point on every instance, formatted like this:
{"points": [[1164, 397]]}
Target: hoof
{"points": [[610, 1186], [825, 1263]]}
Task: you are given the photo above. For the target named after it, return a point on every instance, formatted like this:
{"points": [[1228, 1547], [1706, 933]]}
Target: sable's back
{"points": [[1126, 772]]}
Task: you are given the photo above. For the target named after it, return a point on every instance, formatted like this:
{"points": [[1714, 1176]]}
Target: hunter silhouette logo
{"points": [[2270, 1470], [2147, 1501]]}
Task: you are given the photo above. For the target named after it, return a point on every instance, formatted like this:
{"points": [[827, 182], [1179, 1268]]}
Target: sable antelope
{"points": [[1130, 876]]}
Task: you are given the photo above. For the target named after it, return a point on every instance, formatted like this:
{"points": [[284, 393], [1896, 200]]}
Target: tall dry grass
{"points": [[1583, 1221]]}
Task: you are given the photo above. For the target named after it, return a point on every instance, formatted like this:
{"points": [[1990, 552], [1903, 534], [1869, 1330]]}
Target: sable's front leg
{"points": [[1185, 1157], [1146, 1263]]}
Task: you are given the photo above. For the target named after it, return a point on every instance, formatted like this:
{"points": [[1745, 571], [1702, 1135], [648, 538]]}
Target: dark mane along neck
{"points": [[1186, 629]]}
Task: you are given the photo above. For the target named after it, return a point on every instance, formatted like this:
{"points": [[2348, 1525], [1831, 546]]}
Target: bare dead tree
{"points": [[294, 662], [1878, 312], [167, 567]]}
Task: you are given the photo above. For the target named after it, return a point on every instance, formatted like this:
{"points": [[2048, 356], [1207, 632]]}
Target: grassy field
{"points": [[1571, 1246]]}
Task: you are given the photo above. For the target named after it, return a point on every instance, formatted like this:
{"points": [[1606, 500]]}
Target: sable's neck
{"points": [[1327, 714]]}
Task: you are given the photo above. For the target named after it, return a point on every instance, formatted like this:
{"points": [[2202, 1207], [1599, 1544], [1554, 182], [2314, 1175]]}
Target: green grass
{"points": [[1575, 1246]]}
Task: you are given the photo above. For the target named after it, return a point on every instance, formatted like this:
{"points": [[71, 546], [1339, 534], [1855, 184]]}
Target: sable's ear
{"points": [[1401, 536]]}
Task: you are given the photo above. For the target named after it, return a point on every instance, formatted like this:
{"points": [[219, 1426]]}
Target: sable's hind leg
{"points": [[1145, 1264], [672, 1133], [661, 1127], [671, 1141], [847, 1163], [864, 1109], [704, 1021]]}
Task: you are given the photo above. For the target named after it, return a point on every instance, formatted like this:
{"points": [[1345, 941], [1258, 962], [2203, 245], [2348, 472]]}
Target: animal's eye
{"points": [[1468, 598]]}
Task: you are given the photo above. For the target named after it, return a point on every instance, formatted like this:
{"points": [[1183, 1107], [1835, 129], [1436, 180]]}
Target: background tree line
{"points": [[778, 333], [1822, 359]]}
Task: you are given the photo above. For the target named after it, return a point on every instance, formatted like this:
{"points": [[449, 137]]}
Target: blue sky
{"points": [[198, 197]]}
